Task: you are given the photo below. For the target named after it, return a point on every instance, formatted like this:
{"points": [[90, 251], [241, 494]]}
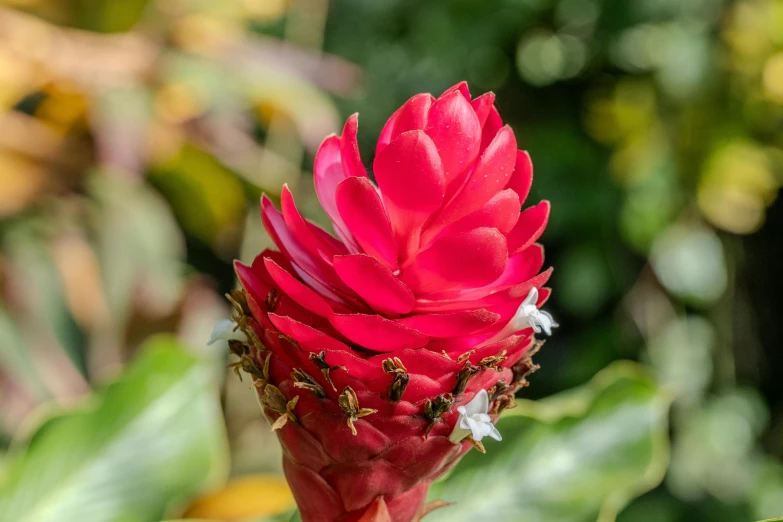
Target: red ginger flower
{"points": [[375, 354]]}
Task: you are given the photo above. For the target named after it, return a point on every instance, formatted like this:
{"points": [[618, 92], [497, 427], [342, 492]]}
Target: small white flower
{"points": [[528, 315], [226, 330], [474, 420]]}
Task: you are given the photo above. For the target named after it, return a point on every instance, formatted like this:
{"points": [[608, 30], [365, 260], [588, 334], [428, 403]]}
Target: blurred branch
{"points": [[114, 60], [30, 136], [236, 149], [329, 72]]}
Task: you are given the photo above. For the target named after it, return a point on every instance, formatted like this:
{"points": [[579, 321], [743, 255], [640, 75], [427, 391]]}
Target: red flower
{"points": [[363, 347]]}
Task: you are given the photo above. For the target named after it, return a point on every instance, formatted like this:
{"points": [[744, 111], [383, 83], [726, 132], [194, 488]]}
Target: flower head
{"points": [[528, 315], [227, 330], [414, 310], [474, 420]]}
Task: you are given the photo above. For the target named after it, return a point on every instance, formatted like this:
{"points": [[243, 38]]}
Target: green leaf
{"points": [[576, 457], [152, 438], [140, 247]]}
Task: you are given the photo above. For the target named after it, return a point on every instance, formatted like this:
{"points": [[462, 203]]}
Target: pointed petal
{"points": [[423, 362], [328, 172], [462, 87], [307, 337], [482, 105], [410, 175], [374, 283], [491, 127], [377, 333], [377, 512], [466, 259], [363, 213], [411, 116], [254, 283], [529, 228], [451, 324], [454, 128], [349, 148], [492, 173], [522, 178], [501, 212], [303, 231], [520, 268], [501, 297], [311, 263], [304, 296]]}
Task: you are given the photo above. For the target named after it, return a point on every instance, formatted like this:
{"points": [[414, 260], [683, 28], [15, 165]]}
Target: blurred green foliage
{"points": [[130, 454], [579, 456], [137, 136]]}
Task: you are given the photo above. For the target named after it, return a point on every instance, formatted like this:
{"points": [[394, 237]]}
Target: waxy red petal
{"points": [[410, 175], [422, 362], [363, 213], [374, 283], [491, 127], [522, 178], [461, 87], [501, 212], [491, 174], [328, 172], [305, 296], [454, 128], [500, 297], [521, 267], [315, 498], [532, 223], [482, 105], [307, 337], [451, 324], [313, 264], [466, 259], [349, 148], [377, 333], [411, 116], [303, 231]]}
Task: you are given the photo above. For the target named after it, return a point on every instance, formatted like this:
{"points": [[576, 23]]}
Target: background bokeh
{"points": [[136, 137]]}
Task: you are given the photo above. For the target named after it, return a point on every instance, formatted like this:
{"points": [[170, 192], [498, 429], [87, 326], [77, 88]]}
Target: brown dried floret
{"points": [[498, 389], [274, 399], [464, 375], [436, 409], [350, 406], [241, 315], [304, 381], [400, 380], [493, 361], [504, 402], [250, 366], [526, 367], [476, 444], [319, 359], [272, 299], [465, 355]]}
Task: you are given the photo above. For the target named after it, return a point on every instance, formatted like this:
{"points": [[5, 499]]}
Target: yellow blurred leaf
{"points": [[63, 106], [773, 77], [81, 277], [21, 180], [250, 496], [18, 79], [736, 187]]}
